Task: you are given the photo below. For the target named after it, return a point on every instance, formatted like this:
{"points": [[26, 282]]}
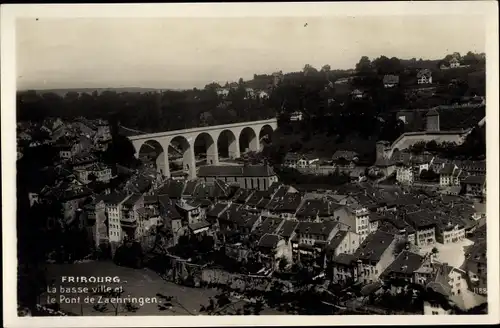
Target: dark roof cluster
{"points": [[236, 171], [374, 246]]}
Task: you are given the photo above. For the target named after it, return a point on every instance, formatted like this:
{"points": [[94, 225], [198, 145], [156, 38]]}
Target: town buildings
{"points": [[259, 177]]}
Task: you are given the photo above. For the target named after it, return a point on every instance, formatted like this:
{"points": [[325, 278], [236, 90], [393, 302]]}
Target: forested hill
{"points": [[63, 91], [316, 93]]}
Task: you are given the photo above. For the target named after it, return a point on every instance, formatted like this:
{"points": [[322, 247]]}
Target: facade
{"points": [[294, 160], [355, 218], [405, 174], [449, 232], [449, 175], [101, 173], [114, 213], [475, 185], [424, 224], [454, 63], [133, 217], [344, 269], [258, 177], [273, 248], [391, 81], [344, 242], [374, 255], [432, 121]]}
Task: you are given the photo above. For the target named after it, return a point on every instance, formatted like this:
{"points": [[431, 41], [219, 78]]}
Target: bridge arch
{"points": [[266, 133], [227, 144], [204, 143], [152, 153], [248, 140], [185, 150]]}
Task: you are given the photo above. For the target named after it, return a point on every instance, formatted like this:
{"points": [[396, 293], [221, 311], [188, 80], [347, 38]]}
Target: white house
{"points": [[424, 76], [454, 63]]}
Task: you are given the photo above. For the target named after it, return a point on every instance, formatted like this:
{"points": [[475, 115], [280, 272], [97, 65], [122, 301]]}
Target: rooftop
{"points": [[236, 171], [269, 241], [406, 263], [316, 228], [374, 246], [475, 179], [337, 239]]}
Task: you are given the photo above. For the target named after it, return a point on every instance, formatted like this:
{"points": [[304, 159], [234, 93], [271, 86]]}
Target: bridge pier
{"points": [[189, 162], [254, 144], [163, 167], [213, 154], [234, 149]]}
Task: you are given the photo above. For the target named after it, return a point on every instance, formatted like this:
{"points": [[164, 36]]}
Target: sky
{"points": [[183, 53]]}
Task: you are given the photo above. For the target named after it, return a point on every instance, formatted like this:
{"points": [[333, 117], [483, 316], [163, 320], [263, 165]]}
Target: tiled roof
{"points": [[150, 200], [405, 263], [217, 210], [243, 195], [269, 240], [256, 198], [287, 229], [199, 225], [114, 198], [273, 188], [172, 188], [374, 246], [424, 72], [316, 228], [190, 187], [236, 171], [421, 219], [132, 200], [345, 259], [270, 225], [167, 209], [289, 203], [475, 179], [317, 207], [262, 204], [337, 240]]}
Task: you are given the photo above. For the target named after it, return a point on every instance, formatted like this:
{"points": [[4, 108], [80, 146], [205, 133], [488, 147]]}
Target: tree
{"points": [[113, 303], [309, 69], [283, 263], [364, 65], [326, 68], [429, 175]]}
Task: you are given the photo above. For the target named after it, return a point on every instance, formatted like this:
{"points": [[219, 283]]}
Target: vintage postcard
{"points": [[250, 164]]}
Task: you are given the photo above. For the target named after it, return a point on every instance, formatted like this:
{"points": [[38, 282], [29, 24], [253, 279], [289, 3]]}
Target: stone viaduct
{"points": [[234, 134]]}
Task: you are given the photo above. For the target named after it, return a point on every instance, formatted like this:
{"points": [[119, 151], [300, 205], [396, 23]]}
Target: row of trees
{"points": [[473, 148]]}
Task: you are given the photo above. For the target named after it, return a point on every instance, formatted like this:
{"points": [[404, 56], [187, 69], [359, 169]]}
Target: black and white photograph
{"points": [[251, 162]]}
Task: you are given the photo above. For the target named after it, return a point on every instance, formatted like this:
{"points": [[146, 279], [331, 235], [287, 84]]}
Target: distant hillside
{"points": [[62, 92]]}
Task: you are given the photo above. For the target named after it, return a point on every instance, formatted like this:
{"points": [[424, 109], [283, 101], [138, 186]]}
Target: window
{"points": [[435, 312]]}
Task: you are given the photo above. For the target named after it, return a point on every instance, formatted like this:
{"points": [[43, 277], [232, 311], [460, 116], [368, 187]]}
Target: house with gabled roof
{"points": [[311, 240], [424, 76], [374, 255], [272, 249]]}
